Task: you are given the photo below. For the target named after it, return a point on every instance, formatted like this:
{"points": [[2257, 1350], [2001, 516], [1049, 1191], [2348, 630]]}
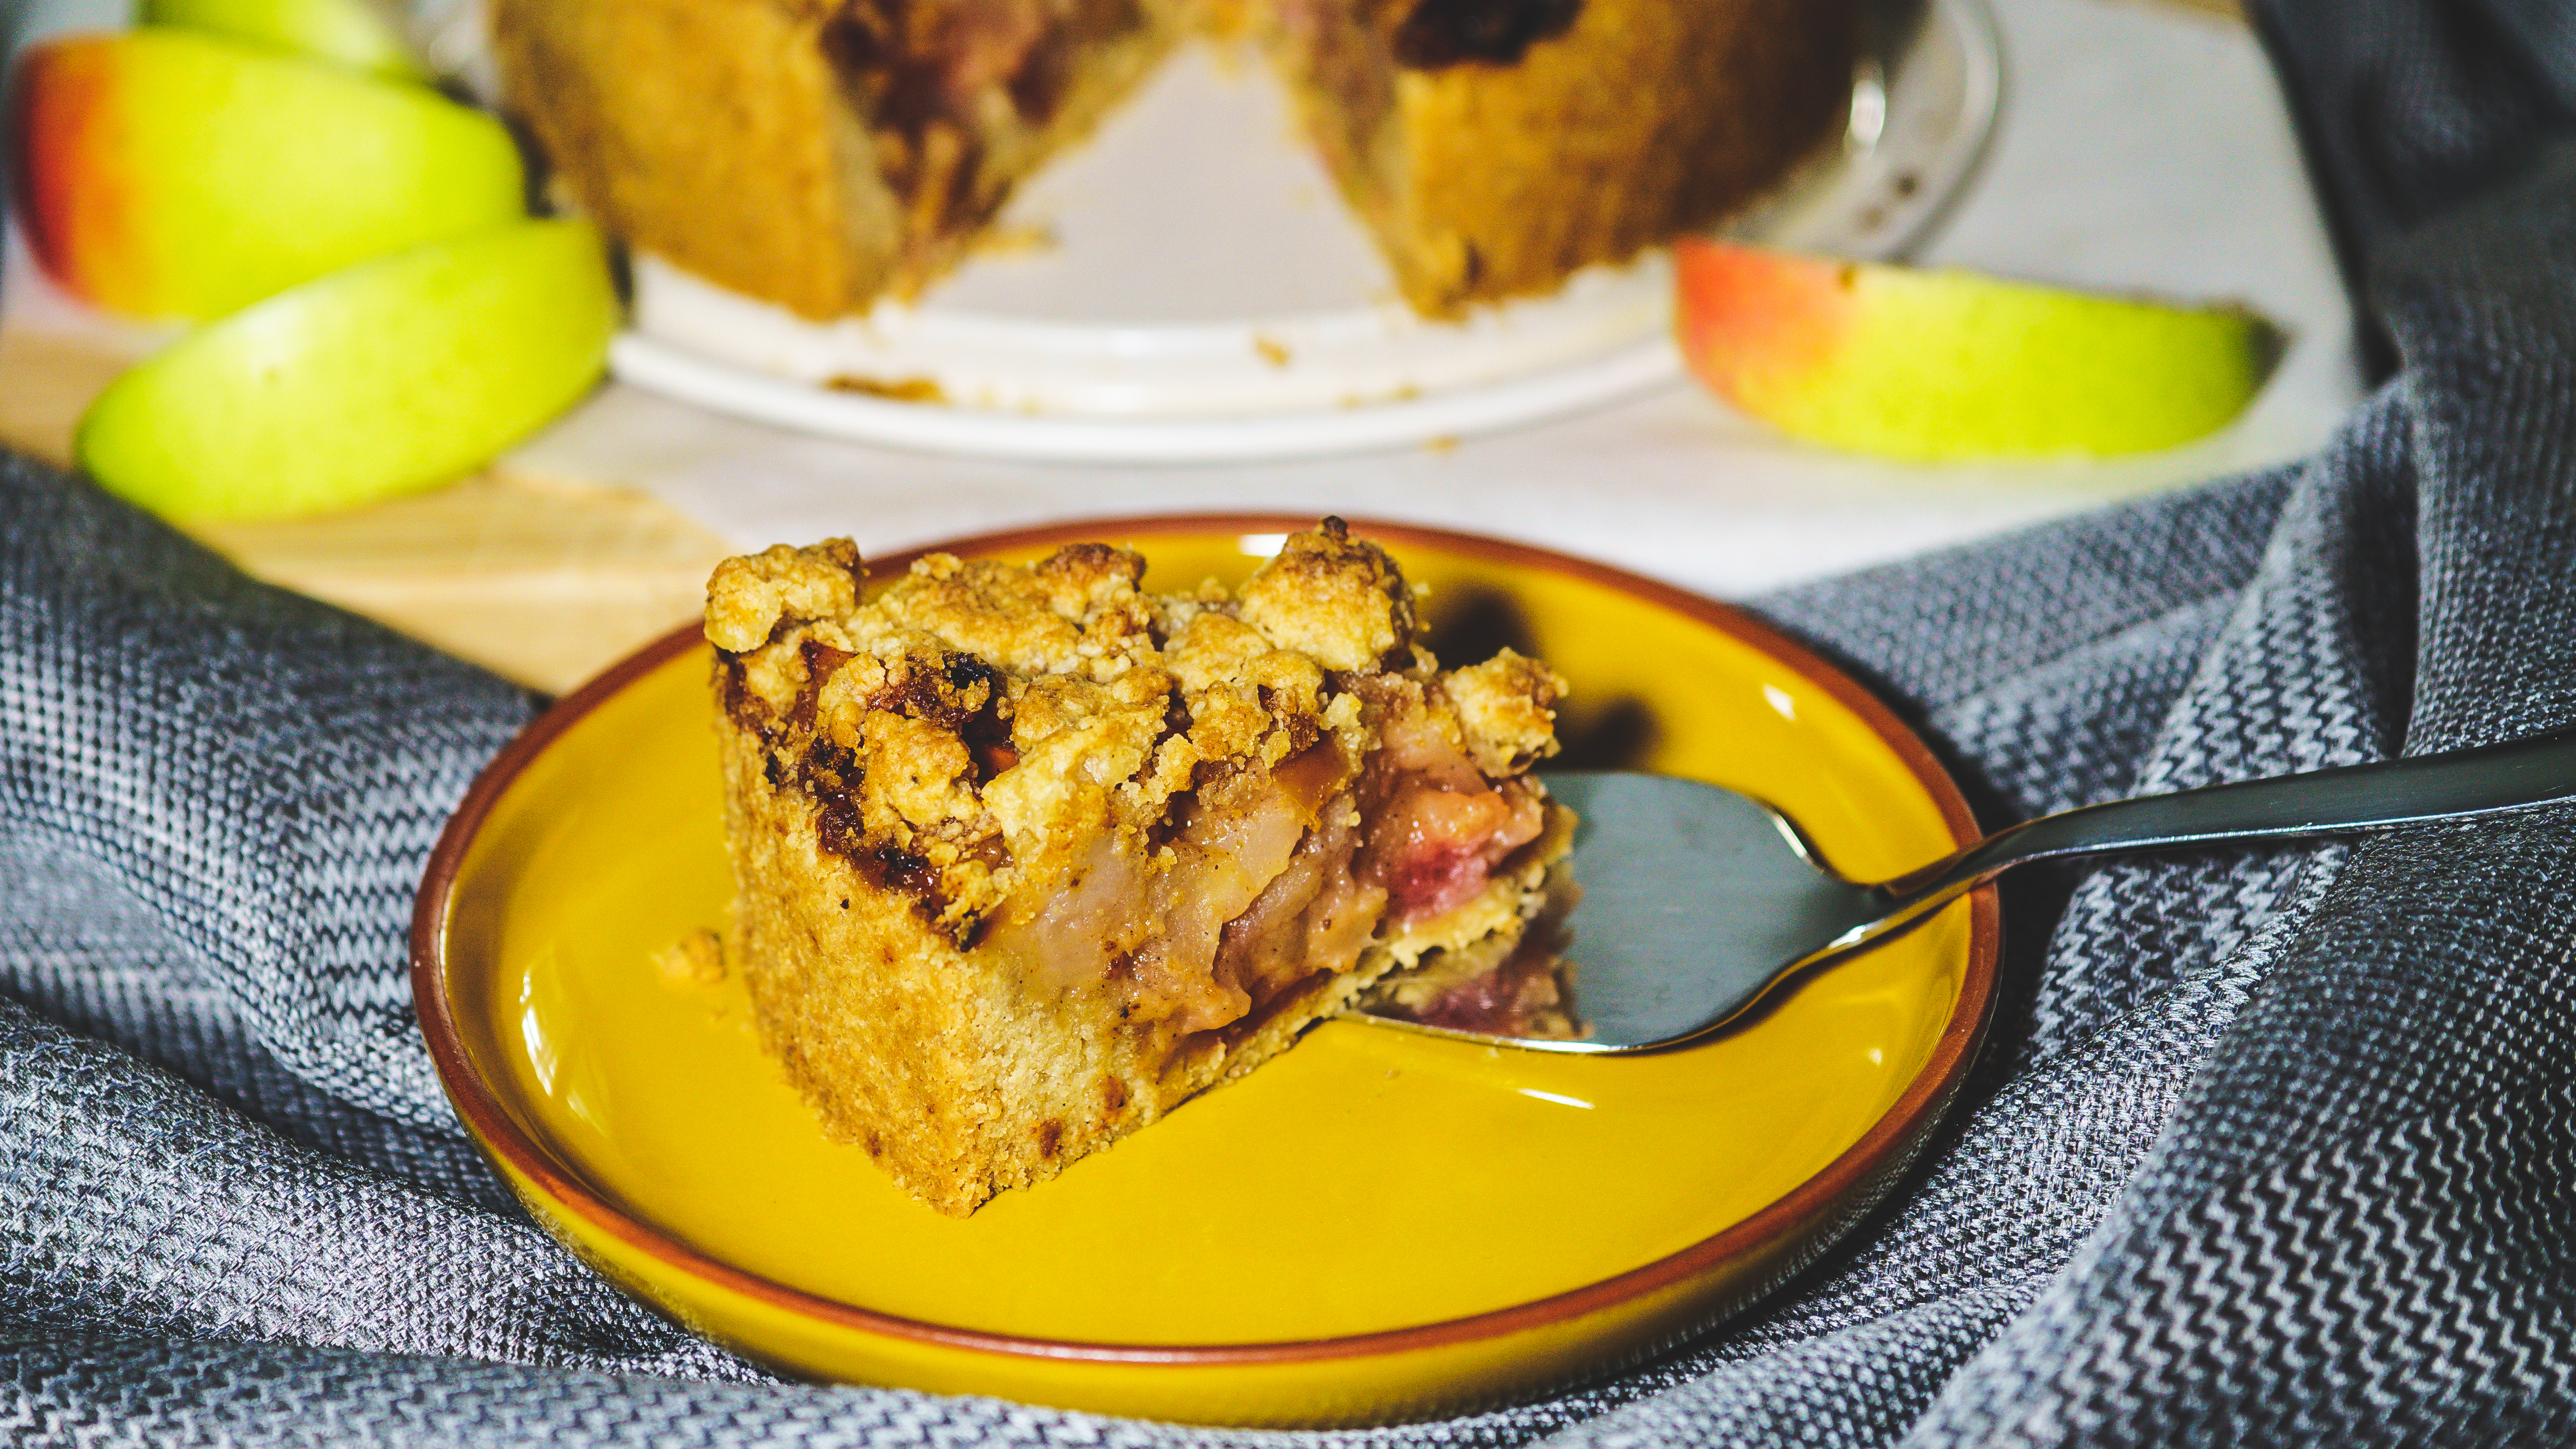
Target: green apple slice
{"points": [[1944, 364], [386, 378], [345, 32], [165, 173]]}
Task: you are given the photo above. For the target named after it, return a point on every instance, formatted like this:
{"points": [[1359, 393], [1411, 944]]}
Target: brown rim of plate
{"points": [[1879, 1149]]}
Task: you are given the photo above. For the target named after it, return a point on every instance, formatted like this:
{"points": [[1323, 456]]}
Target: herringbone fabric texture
{"points": [[2273, 1146]]}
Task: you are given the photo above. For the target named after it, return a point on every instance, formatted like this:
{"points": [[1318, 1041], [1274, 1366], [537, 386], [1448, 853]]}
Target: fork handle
{"points": [[2539, 770]]}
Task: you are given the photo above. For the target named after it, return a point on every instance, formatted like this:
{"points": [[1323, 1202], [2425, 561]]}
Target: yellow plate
{"points": [[1376, 1226]]}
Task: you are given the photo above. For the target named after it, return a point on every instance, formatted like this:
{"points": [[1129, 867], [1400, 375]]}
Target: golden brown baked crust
{"points": [[1498, 146], [1024, 855], [818, 153], [710, 132], [814, 153]]}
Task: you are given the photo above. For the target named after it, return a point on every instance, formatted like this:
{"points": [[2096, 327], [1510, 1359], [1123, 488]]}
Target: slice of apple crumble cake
{"points": [[1024, 856]]}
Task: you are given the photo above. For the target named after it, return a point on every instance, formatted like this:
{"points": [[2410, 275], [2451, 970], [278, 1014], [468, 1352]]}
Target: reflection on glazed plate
{"points": [[1245, 315], [1376, 1226]]}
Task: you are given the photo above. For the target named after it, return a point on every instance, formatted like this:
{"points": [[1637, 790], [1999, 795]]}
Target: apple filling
{"points": [[1250, 885], [1265, 886], [957, 95], [1437, 826], [1497, 985], [1454, 851]]}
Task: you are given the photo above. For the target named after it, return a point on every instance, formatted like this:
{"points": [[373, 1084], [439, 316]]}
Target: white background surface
{"points": [[2142, 148]]}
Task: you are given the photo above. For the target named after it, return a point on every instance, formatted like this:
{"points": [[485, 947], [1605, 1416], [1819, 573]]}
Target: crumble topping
{"points": [[1506, 711], [973, 733], [1336, 599], [748, 596]]}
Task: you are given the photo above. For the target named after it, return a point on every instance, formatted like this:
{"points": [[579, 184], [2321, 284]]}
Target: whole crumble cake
{"points": [[1024, 856], [820, 154]]}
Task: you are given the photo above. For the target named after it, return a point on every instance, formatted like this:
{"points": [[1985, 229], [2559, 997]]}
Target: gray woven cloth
{"points": [[2272, 1145]]}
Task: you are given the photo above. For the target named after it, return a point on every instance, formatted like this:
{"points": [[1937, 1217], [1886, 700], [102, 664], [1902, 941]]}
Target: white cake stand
{"points": [[1196, 292]]}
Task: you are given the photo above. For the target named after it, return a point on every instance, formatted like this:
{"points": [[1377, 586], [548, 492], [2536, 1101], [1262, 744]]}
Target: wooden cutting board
{"points": [[542, 581]]}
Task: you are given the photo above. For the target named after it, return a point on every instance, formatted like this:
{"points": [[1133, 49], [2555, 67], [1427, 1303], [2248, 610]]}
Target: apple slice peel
{"points": [[384, 378], [164, 173], [1934, 365]]}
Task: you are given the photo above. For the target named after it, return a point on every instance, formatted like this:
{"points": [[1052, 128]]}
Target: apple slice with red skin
{"points": [[1940, 364], [164, 173], [385, 378]]}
